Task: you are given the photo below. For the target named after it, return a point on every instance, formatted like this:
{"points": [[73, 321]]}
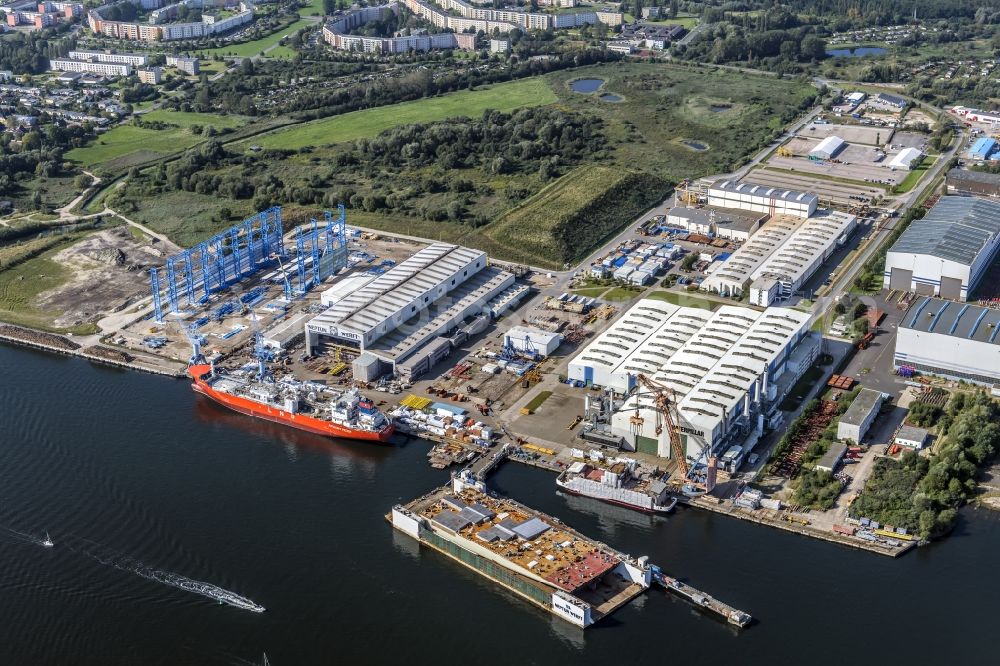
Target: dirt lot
{"points": [[110, 270], [865, 172], [838, 193], [849, 133]]}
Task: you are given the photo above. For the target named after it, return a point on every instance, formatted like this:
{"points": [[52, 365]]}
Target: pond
{"points": [[586, 85], [610, 98], [695, 145], [718, 108], [857, 52]]}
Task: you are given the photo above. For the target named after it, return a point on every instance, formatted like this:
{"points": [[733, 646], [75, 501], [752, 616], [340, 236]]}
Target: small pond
{"points": [[610, 98], [695, 145], [718, 108], [586, 85], [857, 52]]}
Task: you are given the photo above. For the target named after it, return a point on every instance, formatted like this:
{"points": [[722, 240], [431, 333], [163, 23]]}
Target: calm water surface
{"points": [[125, 468]]}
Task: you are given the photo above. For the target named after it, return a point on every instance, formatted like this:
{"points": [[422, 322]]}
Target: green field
{"points": [[369, 122], [250, 49], [515, 215], [132, 144], [286, 52], [21, 284], [915, 175], [314, 7], [572, 215], [188, 118]]}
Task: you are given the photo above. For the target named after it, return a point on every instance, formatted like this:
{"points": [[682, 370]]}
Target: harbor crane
{"points": [[665, 406]]}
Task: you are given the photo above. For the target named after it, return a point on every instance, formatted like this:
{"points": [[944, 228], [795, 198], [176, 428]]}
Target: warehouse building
{"points": [[798, 258], [983, 149], [947, 252], [425, 296], [827, 148], [761, 199], [907, 159], [725, 223], [952, 340], [781, 257], [743, 266], [724, 367], [831, 459], [911, 437], [529, 339], [855, 422], [977, 183]]}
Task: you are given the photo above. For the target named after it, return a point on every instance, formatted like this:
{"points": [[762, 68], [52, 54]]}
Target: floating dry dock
{"points": [[536, 556]]}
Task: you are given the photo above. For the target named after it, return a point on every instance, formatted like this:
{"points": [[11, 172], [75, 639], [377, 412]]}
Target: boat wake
{"points": [[24, 537], [214, 592], [222, 595]]}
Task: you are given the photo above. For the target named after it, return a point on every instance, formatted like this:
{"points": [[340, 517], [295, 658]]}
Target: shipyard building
{"points": [[761, 199], [978, 183], [947, 252], [779, 258], [401, 316], [727, 368], [956, 341]]}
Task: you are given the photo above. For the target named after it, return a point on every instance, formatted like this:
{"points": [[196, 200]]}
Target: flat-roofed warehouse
{"points": [[947, 252], [418, 299], [727, 368], [958, 341], [761, 198], [978, 183], [723, 222]]}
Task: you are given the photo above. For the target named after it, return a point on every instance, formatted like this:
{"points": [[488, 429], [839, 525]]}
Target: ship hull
{"points": [[608, 500], [299, 421]]}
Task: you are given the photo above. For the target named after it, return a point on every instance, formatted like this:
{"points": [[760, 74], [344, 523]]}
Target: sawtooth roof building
{"points": [[727, 368], [428, 294], [947, 252]]}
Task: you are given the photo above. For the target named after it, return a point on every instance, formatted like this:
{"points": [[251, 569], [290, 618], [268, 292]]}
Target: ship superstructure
{"points": [[310, 406], [618, 481]]}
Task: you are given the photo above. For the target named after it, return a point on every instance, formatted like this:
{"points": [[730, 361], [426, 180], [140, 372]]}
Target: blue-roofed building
{"points": [[983, 149], [957, 341], [947, 252]]}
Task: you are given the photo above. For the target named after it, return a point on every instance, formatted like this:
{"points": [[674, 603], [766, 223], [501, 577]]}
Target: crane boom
{"points": [[664, 402]]}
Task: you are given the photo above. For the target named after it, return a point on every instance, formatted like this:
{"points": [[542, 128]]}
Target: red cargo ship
{"points": [[304, 405]]}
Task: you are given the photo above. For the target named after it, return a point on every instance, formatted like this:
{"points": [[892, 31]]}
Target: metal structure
{"points": [[242, 250], [665, 406], [216, 263], [197, 340]]}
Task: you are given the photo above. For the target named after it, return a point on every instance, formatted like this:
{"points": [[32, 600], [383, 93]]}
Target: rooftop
{"points": [[912, 434], [955, 229], [728, 217], [742, 266], [764, 191], [974, 176], [832, 456], [864, 403], [711, 359], [960, 320]]}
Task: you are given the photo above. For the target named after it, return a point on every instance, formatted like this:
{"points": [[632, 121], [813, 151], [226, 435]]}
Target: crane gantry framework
{"points": [[665, 407]]}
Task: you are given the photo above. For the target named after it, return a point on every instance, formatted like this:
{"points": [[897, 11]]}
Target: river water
{"points": [[135, 470]]}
